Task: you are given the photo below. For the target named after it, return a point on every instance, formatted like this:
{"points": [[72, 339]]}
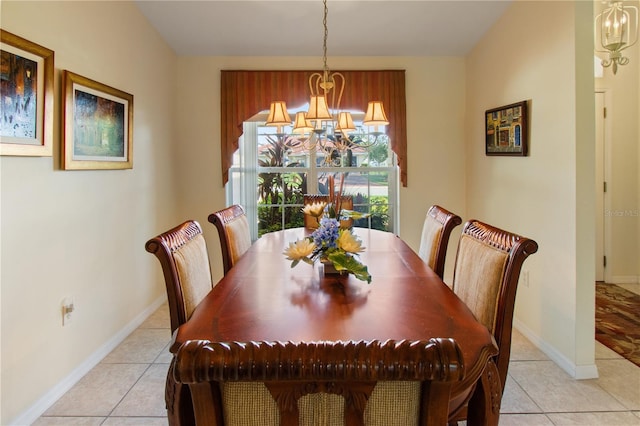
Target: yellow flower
{"points": [[314, 209], [349, 243], [299, 249]]}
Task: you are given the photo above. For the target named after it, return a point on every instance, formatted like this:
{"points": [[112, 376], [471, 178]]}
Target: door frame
{"points": [[603, 218]]}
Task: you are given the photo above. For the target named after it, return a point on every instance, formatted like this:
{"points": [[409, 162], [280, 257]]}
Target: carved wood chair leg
{"points": [[484, 406], [178, 402]]}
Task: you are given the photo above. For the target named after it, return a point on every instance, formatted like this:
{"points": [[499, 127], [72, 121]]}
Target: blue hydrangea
{"points": [[327, 233]]}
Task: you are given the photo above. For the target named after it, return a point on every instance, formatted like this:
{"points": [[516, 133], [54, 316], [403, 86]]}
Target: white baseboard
{"points": [[576, 371], [43, 404], [624, 279]]}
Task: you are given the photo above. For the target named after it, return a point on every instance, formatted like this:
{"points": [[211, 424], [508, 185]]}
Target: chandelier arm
{"points": [[333, 77], [314, 83]]}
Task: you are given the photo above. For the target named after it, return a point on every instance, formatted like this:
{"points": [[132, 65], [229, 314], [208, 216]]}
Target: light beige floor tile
{"points": [[143, 421], [165, 356], [515, 400], [143, 345], [524, 420], [621, 378], [146, 398], [68, 421], [637, 413], [554, 391], [523, 350], [159, 319], [594, 419], [99, 391], [603, 352], [634, 288]]}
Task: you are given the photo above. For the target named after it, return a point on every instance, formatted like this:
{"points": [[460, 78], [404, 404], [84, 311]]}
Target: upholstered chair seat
{"points": [[183, 255], [325, 383], [485, 277]]}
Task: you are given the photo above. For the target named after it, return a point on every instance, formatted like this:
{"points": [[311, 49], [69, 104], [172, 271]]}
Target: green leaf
{"points": [[332, 211], [294, 263], [344, 262]]}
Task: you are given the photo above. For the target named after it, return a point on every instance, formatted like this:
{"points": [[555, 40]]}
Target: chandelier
{"points": [[616, 29], [324, 125]]}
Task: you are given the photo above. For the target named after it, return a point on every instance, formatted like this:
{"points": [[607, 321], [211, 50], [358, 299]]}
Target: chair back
{"points": [[310, 222], [486, 274], [182, 252], [233, 230], [350, 383], [436, 230]]}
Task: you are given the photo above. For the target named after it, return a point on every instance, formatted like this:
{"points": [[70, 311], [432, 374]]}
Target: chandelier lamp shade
{"points": [[278, 116], [324, 122], [616, 29], [375, 116], [345, 123], [302, 126]]}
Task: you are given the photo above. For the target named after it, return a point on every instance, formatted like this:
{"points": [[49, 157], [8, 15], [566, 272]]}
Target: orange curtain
{"points": [[245, 93]]}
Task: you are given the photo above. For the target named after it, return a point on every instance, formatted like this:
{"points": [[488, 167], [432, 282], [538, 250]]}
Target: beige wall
{"points": [[435, 113], [82, 233], [527, 57]]}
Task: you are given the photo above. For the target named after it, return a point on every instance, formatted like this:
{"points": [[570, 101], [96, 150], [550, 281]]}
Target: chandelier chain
{"points": [[326, 35]]}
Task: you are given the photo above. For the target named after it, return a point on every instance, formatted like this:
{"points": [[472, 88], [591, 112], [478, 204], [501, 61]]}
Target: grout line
{"points": [[526, 393], [127, 393]]}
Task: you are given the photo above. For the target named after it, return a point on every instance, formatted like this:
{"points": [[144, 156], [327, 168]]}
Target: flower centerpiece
{"points": [[333, 245]]}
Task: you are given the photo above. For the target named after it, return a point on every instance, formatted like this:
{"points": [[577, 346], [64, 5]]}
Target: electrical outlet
{"points": [[525, 278], [68, 308]]}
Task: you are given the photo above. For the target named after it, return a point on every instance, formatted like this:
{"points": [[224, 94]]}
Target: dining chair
{"points": [[310, 222], [233, 230], [350, 383], [486, 273], [183, 255], [436, 230], [182, 252]]}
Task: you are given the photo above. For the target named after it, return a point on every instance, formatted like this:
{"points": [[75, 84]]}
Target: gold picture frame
{"points": [[26, 123], [98, 125]]}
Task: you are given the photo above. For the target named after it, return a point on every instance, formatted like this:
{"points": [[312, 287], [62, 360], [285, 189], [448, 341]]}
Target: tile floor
{"points": [[127, 387]]}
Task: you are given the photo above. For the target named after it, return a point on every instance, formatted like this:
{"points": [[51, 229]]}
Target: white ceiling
{"points": [[294, 27]]}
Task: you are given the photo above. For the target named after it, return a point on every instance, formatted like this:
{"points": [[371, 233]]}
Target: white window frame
{"points": [[243, 179]]}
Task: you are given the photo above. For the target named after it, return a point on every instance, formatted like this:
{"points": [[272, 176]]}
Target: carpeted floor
{"points": [[618, 320]]}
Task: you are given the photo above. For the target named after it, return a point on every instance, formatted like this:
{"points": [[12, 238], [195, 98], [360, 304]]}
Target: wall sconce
{"points": [[616, 29]]}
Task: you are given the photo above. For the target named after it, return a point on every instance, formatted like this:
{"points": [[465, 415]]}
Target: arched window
{"points": [[271, 173]]}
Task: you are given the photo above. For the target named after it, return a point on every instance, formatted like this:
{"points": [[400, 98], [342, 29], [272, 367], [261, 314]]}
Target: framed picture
{"points": [[98, 125], [26, 94], [506, 130]]}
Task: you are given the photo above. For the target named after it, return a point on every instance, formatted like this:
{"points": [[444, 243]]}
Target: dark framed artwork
{"points": [[98, 125], [26, 94], [506, 130]]}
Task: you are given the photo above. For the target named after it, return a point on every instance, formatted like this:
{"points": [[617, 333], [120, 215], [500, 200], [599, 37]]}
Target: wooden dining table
{"points": [[262, 298]]}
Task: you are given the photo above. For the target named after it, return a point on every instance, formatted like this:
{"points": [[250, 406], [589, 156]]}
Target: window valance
{"points": [[245, 93]]}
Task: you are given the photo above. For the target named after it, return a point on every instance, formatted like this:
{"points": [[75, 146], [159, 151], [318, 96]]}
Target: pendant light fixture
{"points": [[324, 115], [616, 29]]}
